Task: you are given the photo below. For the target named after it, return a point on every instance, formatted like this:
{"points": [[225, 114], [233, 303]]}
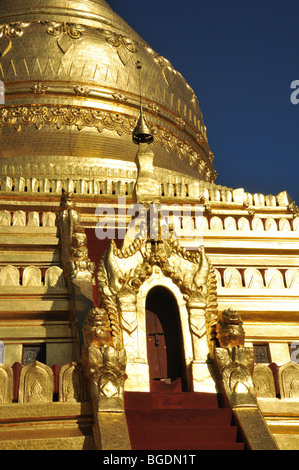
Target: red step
{"points": [[179, 417], [199, 446], [160, 400], [184, 434], [179, 421]]}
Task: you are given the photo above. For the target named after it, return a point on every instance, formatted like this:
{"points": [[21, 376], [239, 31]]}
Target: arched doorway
{"points": [[164, 336]]}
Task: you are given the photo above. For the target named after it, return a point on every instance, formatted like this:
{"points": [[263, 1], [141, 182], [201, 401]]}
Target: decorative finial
{"points": [[142, 133]]}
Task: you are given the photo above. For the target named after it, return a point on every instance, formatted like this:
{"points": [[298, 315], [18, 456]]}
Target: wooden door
{"points": [[164, 336], [156, 347]]}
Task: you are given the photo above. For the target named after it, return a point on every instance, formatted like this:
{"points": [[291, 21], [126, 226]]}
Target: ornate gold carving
{"points": [[251, 211], [36, 383], [270, 224], [232, 278], [39, 88], [81, 90], [234, 362], [112, 372], [211, 308], [64, 115], [104, 364], [289, 380], [166, 66], [120, 97], [180, 122], [78, 268], [188, 270], [230, 331], [71, 385], [253, 278], [19, 219], [274, 279], [257, 224], [122, 278], [125, 46], [66, 33], [73, 30], [152, 107], [263, 382], [292, 207], [118, 40], [9, 276], [97, 334], [13, 30], [211, 156], [6, 384], [32, 276], [284, 225], [54, 277], [235, 367], [111, 40], [79, 264], [5, 218], [230, 223], [68, 218], [58, 116], [243, 224], [8, 32], [216, 223], [292, 278]]}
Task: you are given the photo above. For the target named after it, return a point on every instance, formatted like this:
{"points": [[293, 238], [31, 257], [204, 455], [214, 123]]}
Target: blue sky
{"points": [[240, 57]]}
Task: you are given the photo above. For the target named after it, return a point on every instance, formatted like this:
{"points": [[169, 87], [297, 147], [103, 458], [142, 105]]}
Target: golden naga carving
{"points": [[104, 364], [189, 271], [235, 362], [235, 368]]}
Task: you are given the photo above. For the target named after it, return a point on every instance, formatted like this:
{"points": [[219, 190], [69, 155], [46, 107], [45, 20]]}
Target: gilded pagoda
{"points": [[124, 329]]}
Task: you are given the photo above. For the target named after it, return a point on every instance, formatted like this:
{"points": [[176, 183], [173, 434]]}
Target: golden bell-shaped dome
{"points": [[72, 93]]}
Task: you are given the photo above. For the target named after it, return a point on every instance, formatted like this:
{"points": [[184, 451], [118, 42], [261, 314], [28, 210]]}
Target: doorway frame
{"points": [[170, 324], [138, 366]]}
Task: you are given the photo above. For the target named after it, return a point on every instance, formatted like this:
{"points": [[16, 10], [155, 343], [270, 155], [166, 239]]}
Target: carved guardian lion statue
{"points": [[230, 332]]}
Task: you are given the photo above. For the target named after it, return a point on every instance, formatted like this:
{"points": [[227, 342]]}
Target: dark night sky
{"points": [[240, 57]]}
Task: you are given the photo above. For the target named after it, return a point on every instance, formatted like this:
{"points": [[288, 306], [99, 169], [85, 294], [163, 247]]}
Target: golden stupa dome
{"points": [[72, 93]]}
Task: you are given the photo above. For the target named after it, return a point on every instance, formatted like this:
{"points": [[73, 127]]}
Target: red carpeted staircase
{"points": [[174, 420]]}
